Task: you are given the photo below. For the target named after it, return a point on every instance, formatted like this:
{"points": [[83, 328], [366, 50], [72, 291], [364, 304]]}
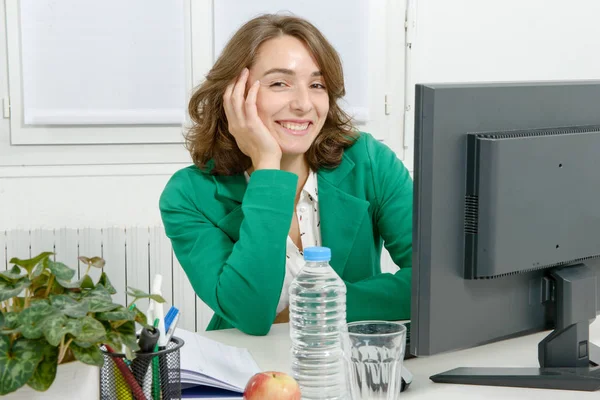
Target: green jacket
{"points": [[230, 236]]}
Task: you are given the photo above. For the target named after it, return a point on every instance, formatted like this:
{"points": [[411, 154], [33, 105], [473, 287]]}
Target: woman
{"points": [[279, 167]]}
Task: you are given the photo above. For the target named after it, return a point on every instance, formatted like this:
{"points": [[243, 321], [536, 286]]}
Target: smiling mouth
{"points": [[295, 128]]}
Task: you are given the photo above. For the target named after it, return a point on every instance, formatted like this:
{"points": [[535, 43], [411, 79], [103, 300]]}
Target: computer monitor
{"points": [[507, 226]]}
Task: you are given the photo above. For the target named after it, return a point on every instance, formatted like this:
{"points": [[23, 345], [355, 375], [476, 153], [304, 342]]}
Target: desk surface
{"points": [[271, 352]]}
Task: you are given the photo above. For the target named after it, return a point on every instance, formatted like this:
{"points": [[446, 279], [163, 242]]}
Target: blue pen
{"points": [[172, 327], [173, 311]]}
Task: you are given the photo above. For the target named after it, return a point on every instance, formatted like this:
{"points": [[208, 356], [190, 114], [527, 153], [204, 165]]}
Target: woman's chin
{"points": [[295, 147], [291, 151]]}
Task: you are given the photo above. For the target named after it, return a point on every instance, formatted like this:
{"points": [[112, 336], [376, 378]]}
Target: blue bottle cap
{"points": [[317, 254]]}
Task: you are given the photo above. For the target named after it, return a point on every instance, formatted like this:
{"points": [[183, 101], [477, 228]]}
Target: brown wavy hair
{"points": [[209, 139]]}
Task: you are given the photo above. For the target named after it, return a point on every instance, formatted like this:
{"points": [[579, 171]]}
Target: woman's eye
{"points": [[278, 84], [318, 86]]}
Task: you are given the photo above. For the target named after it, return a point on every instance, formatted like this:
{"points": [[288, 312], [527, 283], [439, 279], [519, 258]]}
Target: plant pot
{"points": [[74, 380]]}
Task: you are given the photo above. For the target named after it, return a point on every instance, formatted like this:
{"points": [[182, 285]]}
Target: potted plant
{"points": [[47, 319]]}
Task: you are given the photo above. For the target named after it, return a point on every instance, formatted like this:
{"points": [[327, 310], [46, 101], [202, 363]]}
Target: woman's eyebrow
{"points": [[286, 71]]}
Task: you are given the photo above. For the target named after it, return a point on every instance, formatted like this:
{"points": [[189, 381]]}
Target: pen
{"points": [[173, 311], [172, 327], [137, 391], [155, 369], [155, 375], [121, 387]]}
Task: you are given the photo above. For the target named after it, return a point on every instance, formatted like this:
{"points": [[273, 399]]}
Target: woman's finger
{"points": [[250, 103], [238, 95]]}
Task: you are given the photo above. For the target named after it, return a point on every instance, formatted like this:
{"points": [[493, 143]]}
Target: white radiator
{"points": [[133, 255]]}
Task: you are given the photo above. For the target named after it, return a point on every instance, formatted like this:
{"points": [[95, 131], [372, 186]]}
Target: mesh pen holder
{"points": [[151, 376]]}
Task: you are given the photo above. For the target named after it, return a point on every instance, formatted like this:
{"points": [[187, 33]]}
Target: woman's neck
{"points": [[296, 164]]}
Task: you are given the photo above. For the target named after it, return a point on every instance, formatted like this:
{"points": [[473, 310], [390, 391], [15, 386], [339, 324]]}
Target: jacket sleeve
{"points": [[242, 281], [387, 296]]}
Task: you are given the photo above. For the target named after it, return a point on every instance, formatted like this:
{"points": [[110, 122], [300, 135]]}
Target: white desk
{"points": [[271, 352]]}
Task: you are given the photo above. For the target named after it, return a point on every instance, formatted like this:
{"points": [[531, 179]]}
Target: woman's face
{"points": [[292, 100]]}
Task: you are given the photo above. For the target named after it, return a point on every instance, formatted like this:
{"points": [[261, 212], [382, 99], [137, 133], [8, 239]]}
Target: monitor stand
{"points": [[568, 360]]}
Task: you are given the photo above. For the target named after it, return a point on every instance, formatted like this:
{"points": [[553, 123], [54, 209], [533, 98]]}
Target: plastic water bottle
{"points": [[317, 314]]}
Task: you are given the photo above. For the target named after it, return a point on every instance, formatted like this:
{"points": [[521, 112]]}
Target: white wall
{"points": [[92, 201], [508, 40]]}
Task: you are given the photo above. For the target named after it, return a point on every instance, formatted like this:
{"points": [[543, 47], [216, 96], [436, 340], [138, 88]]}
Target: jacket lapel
{"points": [[341, 214]]}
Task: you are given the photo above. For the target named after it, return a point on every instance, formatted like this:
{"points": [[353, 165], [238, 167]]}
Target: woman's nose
{"points": [[301, 100]]}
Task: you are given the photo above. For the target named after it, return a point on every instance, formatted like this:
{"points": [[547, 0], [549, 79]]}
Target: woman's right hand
{"points": [[250, 133]]}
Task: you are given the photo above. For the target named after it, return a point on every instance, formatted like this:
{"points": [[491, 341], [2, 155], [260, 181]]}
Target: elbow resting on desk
{"points": [[253, 324], [253, 315]]}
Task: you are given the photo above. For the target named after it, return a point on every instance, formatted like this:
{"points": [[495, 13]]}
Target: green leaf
{"points": [[85, 345], [12, 289], [69, 306], [1, 320], [46, 370], [123, 335], [39, 282], [11, 275], [16, 270], [157, 298], [91, 330], [106, 283], [61, 271], [99, 292], [32, 319], [17, 362], [100, 305], [113, 339], [88, 355], [11, 320], [118, 314], [57, 327], [128, 336], [87, 282], [137, 293], [30, 263], [99, 300], [140, 317], [84, 283], [69, 285], [39, 268]]}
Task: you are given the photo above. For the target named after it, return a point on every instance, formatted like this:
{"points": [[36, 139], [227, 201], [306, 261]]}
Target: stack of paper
{"points": [[209, 363]]}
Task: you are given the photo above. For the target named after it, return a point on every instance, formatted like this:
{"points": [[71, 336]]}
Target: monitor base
{"points": [[568, 360], [583, 379]]}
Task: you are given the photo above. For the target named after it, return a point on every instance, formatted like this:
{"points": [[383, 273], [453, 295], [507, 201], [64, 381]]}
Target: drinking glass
{"points": [[373, 352]]}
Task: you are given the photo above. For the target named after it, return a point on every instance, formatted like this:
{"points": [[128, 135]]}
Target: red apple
{"points": [[272, 385]]}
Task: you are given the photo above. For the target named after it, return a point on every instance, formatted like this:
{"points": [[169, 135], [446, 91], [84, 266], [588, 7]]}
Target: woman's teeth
{"points": [[295, 127]]}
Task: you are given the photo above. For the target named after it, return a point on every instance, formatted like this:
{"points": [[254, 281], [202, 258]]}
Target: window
{"points": [[59, 122]]}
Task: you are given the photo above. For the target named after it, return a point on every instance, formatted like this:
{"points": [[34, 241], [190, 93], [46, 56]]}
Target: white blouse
{"points": [[307, 211]]}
